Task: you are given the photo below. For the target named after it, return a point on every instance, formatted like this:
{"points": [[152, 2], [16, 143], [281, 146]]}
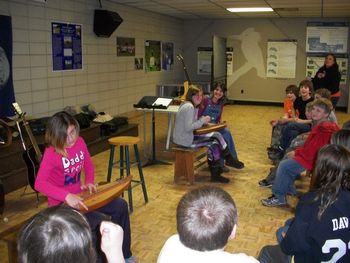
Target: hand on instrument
{"points": [[91, 187], [206, 119], [112, 241], [75, 201]]}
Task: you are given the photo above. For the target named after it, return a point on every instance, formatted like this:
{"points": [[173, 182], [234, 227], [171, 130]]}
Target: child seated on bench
{"points": [[185, 124]]}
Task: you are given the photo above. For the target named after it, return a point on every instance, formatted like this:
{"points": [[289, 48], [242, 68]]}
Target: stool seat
{"points": [[124, 140]]}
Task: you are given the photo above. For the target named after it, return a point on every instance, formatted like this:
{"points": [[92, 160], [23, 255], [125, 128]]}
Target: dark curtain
{"points": [[7, 95]]}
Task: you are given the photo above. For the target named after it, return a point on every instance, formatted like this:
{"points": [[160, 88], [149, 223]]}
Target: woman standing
{"points": [[328, 77]]}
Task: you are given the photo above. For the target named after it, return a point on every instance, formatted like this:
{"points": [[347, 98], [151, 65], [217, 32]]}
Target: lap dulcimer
{"points": [[210, 128], [105, 193]]}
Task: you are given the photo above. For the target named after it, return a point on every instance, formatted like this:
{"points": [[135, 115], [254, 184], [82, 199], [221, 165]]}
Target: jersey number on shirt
{"points": [[335, 243]]}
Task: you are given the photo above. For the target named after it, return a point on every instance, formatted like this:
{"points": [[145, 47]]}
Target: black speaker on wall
{"points": [[105, 22]]}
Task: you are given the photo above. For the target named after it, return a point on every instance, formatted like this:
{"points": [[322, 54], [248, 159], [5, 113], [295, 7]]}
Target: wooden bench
{"points": [[186, 161]]}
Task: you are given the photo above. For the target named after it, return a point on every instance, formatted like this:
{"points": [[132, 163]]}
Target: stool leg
{"points": [[121, 161], [127, 161], [110, 164], [139, 165]]}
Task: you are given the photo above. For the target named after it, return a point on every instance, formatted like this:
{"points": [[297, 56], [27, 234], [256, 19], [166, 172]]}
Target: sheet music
{"points": [[162, 102]]}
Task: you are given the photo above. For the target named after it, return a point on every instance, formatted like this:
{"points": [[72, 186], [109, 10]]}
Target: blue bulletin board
{"points": [[66, 46]]}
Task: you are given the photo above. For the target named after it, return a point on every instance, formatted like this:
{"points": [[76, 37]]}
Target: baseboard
{"points": [[247, 102]]}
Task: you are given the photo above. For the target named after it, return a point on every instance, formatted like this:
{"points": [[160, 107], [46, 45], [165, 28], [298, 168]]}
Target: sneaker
{"points": [[264, 183], [225, 169], [131, 259], [273, 201], [219, 179], [235, 163]]}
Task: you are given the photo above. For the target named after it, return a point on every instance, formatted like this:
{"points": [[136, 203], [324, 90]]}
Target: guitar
{"points": [[187, 83], [32, 155]]}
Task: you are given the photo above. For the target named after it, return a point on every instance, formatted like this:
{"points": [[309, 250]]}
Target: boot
{"points": [[230, 161], [215, 171]]}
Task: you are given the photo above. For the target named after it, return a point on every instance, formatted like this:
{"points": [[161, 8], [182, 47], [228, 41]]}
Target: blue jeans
{"points": [[230, 144], [287, 171], [292, 130]]}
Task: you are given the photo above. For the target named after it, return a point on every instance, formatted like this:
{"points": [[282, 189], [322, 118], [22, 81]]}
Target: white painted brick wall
{"points": [[109, 82]]}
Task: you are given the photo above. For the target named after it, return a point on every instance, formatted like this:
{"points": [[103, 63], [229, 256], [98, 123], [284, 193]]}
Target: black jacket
{"points": [[312, 240], [330, 80]]}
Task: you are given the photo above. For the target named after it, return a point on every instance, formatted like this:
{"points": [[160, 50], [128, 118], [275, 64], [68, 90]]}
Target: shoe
{"points": [[131, 259], [265, 184], [275, 155], [272, 148], [273, 201], [235, 163], [219, 179], [224, 169]]}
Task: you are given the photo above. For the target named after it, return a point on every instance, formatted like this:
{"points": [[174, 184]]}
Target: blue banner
{"points": [[7, 95]]}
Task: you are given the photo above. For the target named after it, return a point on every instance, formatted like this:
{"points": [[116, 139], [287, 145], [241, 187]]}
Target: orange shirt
{"points": [[288, 107]]}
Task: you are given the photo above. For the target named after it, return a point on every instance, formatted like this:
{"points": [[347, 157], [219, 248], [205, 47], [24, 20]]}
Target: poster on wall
{"points": [[204, 60], [281, 58], [152, 55], [324, 37], [167, 55], [66, 46], [229, 60], [138, 62], [315, 61], [7, 95], [125, 46]]}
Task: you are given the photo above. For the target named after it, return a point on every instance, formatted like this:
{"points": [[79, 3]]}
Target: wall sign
{"points": [[66, 46]]}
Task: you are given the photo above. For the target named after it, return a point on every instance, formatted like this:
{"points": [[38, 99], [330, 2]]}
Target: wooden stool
{"points": [[185, 162], [124, 142]]}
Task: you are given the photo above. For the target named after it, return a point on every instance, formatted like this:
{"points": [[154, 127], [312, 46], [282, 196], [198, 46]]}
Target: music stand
{"points": [[153, 102]]}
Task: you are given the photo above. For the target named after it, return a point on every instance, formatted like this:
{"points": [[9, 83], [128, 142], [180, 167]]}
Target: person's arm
{"points": [[46, 177], [112, 241], [188, 113], [88, 164], [334, 80], [303, 121], [295, 240]]}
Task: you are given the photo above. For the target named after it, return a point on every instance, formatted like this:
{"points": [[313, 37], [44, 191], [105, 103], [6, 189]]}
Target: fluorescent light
{"points": [[250, 9]]}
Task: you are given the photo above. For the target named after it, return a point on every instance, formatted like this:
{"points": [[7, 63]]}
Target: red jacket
{"points": [[320, 135]]}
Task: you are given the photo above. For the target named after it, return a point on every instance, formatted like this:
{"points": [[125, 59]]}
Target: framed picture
{"points": [[125, 46]]}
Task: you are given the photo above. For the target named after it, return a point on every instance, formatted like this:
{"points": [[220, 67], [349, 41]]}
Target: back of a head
{"points": [[205, 218], [332, 174], [57, 234], [341, 137]]}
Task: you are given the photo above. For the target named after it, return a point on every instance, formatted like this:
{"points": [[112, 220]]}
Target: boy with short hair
{"points": [[206, 220], [303, 158]]}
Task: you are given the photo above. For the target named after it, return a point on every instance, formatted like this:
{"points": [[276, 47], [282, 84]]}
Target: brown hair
{"points": [[292, 89], [205, 218], [307, 83], [192, 91], [324, 93], [56, 130], [324, 104], [332, 174]]}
